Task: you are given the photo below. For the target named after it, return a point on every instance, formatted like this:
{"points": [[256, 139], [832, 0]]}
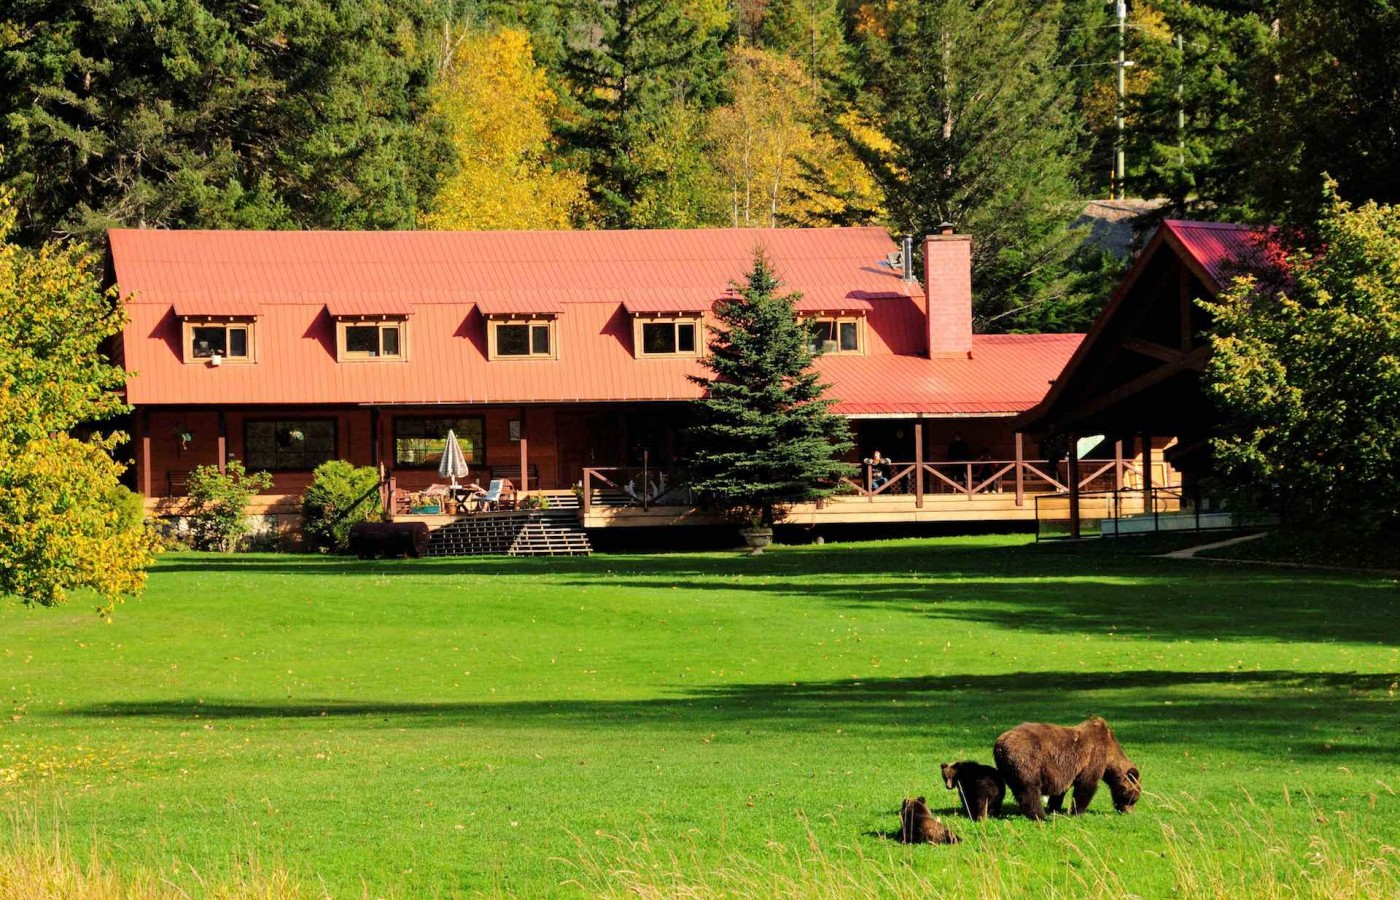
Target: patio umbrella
{"points": [[454, 461]]}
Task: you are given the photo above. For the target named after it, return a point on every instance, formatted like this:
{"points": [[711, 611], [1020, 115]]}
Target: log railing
{"points": [[985, 476], [635, 486]]}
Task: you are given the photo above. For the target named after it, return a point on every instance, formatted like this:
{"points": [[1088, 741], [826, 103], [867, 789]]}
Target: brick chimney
{"points": [[948, 281]]}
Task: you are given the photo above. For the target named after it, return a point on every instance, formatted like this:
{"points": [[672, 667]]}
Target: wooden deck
{"points": [[879, 509]]}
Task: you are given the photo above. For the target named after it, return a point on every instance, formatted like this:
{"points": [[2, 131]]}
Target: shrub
{"points": [[221, 499], [130, 505], [340, 495]]}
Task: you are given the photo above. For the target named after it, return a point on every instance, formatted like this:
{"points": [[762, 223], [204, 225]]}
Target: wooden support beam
{"points": [[1074, 524], [1147, 473], [524, 458], [1117, 465], [919, 463], [1154, 350], [375, 457], [1020, 469], [146, 453], [223, 442], [1195, 360]]}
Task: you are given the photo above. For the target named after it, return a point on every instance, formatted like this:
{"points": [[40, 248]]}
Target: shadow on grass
{"points": [[1054, 589], [1315, 714]]}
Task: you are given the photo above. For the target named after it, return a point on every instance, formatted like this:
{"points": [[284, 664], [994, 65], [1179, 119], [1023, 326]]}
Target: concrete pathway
{"points": [[1190, 552]]}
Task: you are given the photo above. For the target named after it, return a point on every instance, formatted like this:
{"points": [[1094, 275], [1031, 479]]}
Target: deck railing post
{"points": [[968, 476], [1118, 465], [587, 498], [1020, 470], [918, 464], [1073, 487], [393, 492], [869, 483]]}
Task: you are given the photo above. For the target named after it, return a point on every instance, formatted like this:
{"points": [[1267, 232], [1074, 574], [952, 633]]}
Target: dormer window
{"points": [[522, 339], [836, 334], [218, 340], [371, 340], [667, 336]]}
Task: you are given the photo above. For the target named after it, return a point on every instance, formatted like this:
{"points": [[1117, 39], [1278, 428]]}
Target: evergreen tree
{"points": [[978, 114], [633, 61], [1327, 104], [1187, 134], [766, 435], [216, 113]]}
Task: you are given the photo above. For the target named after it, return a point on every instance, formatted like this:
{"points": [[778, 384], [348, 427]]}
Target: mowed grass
{"points": [[706, 722]]}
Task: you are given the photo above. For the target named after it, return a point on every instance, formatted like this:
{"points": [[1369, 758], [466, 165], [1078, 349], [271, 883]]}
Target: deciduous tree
{"points": [[59, 532], [1307, 374], [499, 108]]}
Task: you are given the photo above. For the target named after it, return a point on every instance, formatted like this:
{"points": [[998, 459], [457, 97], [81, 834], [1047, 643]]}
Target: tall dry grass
{"points": [[1237, 852], [38, 862]]}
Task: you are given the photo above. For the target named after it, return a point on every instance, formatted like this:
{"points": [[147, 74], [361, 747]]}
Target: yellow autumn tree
{"points": [[778, 164], [66, 523], [498, 104]]}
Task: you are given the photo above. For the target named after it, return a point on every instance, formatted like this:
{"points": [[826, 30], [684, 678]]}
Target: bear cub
{"points": [[980, 787], [918, 826]]}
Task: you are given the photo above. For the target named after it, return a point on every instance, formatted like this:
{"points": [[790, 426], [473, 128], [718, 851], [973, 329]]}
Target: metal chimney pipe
{"points": [[907, 256]]}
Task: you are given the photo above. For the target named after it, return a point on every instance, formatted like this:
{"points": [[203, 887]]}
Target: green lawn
{"points": [[452, 726]]}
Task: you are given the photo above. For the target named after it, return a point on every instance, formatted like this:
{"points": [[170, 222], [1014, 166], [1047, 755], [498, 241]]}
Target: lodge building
{"points": [[563, 360]]}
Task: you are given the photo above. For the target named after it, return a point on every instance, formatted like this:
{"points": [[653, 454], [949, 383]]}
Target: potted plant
{"points": [[757, 536]]}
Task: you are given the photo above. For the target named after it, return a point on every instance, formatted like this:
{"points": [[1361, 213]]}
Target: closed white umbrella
{"points": [[454, 461]]}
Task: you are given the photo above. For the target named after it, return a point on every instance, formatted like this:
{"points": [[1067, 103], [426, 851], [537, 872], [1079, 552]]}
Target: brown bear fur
{"points": [[918, 826], [980, 787], [1036, 758]]}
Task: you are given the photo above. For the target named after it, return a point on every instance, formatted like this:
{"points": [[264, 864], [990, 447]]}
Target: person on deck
{"points": [[878, 475]]}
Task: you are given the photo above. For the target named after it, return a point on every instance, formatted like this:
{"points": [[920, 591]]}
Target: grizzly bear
{"points": [[981, 787], [1036, 758], [918, 826]]}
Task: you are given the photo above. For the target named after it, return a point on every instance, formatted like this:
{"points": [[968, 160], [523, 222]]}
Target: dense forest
{"points": [[997, 115]]}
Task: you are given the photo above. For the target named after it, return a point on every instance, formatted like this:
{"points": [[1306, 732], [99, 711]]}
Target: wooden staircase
{"points": [[534, 532]]}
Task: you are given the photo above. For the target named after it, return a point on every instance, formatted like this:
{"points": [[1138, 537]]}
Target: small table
{"points": [[464, 494]]}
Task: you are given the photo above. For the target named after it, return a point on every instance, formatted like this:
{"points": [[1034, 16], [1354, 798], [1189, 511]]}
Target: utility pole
{"points": [[1180, 102], [1119, 164]]}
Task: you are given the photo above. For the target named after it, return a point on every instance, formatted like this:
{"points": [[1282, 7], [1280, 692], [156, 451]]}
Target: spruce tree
{"points": [[765, 435], [978, 113]]}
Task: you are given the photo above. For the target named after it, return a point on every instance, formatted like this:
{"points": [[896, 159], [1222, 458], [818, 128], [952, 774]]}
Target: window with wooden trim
{"points": [[225, 340], [522, 339], [419, 440], [836, 334], [667, 336], [367, 340], [288, 445]]}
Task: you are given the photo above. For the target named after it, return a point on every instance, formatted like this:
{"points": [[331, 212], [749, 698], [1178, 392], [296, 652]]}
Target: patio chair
{"points": [[507, 500], [431, 501], [490, 499]]}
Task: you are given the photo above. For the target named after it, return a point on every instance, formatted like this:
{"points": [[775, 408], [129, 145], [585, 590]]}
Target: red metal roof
{"points": [[450, 280], [215, 307], [1225, 250], [504, 304], [368, 305], [1007, 373]]}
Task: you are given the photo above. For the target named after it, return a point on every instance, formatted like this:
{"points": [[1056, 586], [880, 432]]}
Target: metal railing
{"points": [[1102, 513]]}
